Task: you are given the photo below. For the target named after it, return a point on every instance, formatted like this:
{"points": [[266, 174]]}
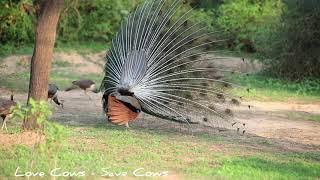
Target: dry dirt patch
{"points": [[23, 138], [271, 120], [80, 63]]}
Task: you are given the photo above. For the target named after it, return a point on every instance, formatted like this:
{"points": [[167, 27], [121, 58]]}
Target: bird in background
{"points": [[152, 68], [84, 84], [6, 110], [53, 94]]}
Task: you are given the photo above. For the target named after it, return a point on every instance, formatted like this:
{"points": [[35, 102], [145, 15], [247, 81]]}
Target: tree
{"points": [[293, 48], [45, 36]]}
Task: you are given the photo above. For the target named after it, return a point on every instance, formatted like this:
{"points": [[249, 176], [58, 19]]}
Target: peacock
{"points": [[53, 94], [84, 84], [6, 110], [154, 66]]}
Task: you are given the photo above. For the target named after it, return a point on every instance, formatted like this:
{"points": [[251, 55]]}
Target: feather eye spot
{"points": [[235, 101], [220, 96], [228, 111], [205, 119]]}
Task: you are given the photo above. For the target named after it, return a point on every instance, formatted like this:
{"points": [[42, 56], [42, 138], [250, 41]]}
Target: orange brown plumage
{"points": [[119, 112]]}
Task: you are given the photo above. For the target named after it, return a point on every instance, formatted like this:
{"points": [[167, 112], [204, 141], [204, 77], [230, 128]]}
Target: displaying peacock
{"points": [[154, 66]]}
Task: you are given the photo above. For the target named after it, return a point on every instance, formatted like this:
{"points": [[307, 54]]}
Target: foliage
{"points": [[16, 22], [53, 132], [205, 4], [295, 43], [207, 17], [36, 110], [40, 110], [95, 20], [244, 18]]}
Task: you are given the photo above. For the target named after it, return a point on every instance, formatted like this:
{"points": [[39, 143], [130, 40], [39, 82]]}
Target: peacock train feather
{"points": [[155, 66]]}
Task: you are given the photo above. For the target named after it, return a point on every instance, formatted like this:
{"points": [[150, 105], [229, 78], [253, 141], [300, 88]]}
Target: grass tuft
{"points": [[264, 88]]}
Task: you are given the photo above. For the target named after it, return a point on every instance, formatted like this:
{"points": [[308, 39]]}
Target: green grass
{"points": [[303, 116], [268, 167], [9, 49], [80, 47], [57, 64], [90, 149], [313, 117], [20, 81], [264, 88], [64, 79]]}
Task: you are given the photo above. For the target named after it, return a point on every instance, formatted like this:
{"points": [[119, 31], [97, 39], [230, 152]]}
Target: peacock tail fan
{"points": [[167, 64]]}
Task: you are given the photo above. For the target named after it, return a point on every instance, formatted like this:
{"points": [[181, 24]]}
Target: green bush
{"points": [[246, 19], [295, 54], [95, 20], [207, 17], [35, 110], [16, 22]]}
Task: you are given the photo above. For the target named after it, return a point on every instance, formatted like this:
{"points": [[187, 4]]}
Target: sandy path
{"points": [[283, 121]]}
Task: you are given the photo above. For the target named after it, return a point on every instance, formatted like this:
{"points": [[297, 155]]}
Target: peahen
{"points": [[153, 67], [53, 94], [84, 84], [6, 110]]}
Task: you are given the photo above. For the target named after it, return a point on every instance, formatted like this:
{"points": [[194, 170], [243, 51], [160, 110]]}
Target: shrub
{"points": [[246, 19], [295, 43], [16, 22], [95, 20]]}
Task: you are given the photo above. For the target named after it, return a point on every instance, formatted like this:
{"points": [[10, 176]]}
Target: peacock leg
{"points": [[4, 124]]}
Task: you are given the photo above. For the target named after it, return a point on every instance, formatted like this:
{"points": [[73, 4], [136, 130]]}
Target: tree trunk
{"points": [[42, 54]]}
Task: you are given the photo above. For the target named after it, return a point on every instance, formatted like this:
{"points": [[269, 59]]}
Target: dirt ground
{"points": [[266, 121], [280, 123]]}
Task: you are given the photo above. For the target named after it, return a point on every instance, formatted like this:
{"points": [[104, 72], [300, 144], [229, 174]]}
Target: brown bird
{"points": [[6, 110], [53, 94], [84, 84]]}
